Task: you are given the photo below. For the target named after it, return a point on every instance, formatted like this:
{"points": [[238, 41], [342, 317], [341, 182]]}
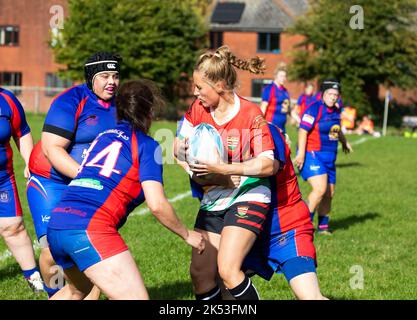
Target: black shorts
{"points": [[247, 215]]}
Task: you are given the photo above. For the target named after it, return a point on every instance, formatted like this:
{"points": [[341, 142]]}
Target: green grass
{"points": [[373, 217]]}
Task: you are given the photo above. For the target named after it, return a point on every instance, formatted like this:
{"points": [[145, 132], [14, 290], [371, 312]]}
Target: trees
{"points": [[384, 52], [158, 40]]}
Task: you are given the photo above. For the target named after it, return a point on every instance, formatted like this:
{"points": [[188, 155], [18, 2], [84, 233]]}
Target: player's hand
{"points": [[201, 169], [182, 149], [347, 148], [196, 240], [299, 161]]}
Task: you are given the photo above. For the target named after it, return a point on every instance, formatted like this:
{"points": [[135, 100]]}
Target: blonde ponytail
{"points": [[219, 66]]}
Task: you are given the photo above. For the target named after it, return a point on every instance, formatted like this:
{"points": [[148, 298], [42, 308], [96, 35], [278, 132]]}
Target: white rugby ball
{"points": [[205, 145]]}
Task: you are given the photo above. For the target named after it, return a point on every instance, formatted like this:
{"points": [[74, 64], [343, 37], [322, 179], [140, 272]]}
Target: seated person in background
{"points": [[348, 119], [366, 126]]}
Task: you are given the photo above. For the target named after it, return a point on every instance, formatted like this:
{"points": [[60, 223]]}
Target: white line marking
{"points": [[172, 200], [361, 140]]}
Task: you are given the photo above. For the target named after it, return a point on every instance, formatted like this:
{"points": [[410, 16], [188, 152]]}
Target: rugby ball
{"points": [[205, 145]]}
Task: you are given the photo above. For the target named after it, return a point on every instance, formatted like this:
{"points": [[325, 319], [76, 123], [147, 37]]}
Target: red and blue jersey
{"points": [[304, 101], [12, 124], [108, 186], [79, 116], [278, 107], [323, 126], [286, 211]]}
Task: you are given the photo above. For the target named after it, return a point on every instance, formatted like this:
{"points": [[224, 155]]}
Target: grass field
{"points": [[373, 218]]}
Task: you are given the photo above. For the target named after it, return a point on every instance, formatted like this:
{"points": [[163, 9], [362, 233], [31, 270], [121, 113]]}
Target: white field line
{"points": [[6, 254], [172, 200], [361, 140]]}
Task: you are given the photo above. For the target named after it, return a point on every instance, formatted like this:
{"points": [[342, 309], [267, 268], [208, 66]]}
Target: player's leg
{"points": [[43, 195], [319, 186], [314, 171], [77, 288], [325, 206], [306, 287], [296, 258], [203, 268], [243, 223], [17, 239], [235, 244], [118, 278], [324, 210], [14, 233]]}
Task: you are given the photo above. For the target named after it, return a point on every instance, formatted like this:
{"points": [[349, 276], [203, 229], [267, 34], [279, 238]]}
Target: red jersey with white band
{"points": [[245, 135]]}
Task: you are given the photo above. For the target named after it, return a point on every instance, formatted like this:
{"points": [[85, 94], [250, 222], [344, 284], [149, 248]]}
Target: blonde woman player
{"points": [[230, 218]]}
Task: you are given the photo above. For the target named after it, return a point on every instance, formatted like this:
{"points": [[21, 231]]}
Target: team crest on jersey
{"points": [[283, 240], [285, 106], [92, 120], [334, 132], [242, 211], [4, 196], [259, 122], [232, 142]]}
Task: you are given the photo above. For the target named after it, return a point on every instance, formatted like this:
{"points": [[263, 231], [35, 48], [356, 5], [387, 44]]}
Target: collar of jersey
{"points": [[96, 98], [232, 114]]}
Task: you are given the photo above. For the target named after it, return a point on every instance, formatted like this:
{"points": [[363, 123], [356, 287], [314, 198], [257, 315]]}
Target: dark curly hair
{"points": [[136, 101]]}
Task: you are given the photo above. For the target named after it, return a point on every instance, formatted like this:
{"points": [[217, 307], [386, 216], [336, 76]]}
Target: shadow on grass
{"points": [[346, 223], [349, 164], [171, 291]]}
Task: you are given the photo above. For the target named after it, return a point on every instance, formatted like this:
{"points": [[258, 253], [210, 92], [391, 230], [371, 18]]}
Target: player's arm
{"points": [[347, 148], [164, 212], [20, 131], [263, 106], [265, 96], [301, 153], [55, 149], [25, 146], [294, 113], [180, 152], [259, 167], [308, 121]]}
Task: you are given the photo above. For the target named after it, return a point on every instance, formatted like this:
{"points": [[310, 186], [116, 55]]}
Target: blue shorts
{"points": [[9, 198], [43, 195], [291, 253], [317, 163], [83, 248]]}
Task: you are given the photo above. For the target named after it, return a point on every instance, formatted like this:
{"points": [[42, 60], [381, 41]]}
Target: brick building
{"points": [[248, 27], [257, 28], [25, 57]]}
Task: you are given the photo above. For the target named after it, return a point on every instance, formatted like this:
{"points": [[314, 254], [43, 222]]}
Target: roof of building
{"points": [[257, 15]]}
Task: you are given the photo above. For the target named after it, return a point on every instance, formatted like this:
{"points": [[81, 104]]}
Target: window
{"points": [[216, 40], [53, 81], [258, 85], [268, 42], [9, 36], [11, 79]]}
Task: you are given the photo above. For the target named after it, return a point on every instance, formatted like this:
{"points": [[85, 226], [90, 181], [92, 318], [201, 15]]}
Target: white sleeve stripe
{"points": [[267, 154]]}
